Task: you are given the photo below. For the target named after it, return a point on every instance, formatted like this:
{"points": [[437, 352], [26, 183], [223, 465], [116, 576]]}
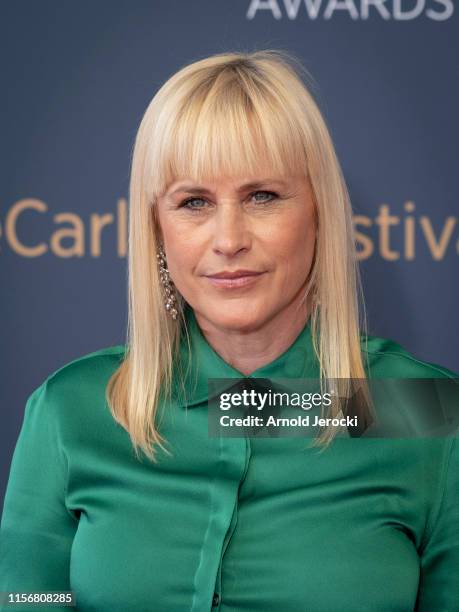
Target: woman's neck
{"points": [[247, 351]]}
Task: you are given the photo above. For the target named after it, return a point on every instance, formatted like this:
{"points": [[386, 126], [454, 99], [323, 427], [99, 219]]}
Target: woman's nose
{"points": [[230, 229]]}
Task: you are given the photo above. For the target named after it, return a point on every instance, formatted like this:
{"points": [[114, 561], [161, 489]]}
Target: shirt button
{"points": [[215, 599]]}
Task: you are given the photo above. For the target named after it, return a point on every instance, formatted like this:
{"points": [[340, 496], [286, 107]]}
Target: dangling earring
{"points": [[168, 286]]}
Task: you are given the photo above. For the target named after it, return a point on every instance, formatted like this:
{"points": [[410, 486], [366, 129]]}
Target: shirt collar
{"points": [[298, 361]]}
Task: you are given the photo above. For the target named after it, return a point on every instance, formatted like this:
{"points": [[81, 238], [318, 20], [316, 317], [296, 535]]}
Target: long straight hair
{"points": [[230, 114]]}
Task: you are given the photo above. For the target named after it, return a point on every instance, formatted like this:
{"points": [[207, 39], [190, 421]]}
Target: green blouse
{"points": [[229, 524]]}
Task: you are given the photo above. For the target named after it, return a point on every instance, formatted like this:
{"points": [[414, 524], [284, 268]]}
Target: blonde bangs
{"points": [[230, 125]]}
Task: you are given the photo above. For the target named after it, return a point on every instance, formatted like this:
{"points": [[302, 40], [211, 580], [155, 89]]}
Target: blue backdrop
{"points": [[77, 77]]}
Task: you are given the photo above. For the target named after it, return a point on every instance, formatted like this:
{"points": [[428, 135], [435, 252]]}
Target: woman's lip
{"points": [[234, 283]]}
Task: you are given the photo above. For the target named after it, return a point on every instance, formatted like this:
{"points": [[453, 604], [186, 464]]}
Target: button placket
{"points": [[217, 596], [218, 584], [216, 599]]}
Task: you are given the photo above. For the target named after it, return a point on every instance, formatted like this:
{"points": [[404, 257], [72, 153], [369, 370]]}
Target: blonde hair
{"points": [[228, 114]]}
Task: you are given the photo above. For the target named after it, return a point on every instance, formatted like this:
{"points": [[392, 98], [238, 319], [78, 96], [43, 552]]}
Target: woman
{"points": [[241, 264]]}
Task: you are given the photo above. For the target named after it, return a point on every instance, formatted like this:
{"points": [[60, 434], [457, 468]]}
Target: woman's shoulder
{"points": [[88, 367], [387, 358], [68, 411], [74, 389]]}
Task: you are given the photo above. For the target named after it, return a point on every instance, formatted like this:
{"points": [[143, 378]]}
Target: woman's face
{"points": [[257, 224]]}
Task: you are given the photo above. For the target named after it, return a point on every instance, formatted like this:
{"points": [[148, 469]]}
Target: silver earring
{"points": [[168, 286]]}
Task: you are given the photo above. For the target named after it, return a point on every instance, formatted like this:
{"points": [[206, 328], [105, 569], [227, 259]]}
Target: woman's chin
{"points": [[236, 316]]}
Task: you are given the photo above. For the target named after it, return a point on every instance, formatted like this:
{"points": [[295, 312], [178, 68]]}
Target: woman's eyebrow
{"points": [[193, 189]]}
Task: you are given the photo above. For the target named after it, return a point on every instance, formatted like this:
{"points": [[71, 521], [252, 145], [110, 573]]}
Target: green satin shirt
{"points": [[229, 524]]}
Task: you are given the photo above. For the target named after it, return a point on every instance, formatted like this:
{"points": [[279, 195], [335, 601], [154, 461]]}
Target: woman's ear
{"points": [[156, 224]]}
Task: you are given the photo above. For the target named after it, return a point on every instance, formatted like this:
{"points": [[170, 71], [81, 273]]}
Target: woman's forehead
{"points": [[240, 183], [210, 161]]}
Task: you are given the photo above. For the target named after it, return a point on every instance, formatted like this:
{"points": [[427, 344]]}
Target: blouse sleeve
{"points": [[36, 530], [439, 579]]}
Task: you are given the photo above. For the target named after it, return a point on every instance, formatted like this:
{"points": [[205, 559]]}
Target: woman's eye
{"points": [[190, 203], [271, 195], [187, 203]]}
